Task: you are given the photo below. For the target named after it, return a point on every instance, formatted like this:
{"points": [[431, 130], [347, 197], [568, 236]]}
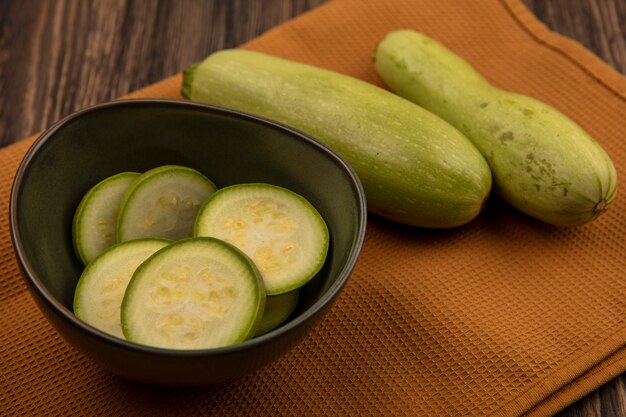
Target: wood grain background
{"points": [[57, 56]]}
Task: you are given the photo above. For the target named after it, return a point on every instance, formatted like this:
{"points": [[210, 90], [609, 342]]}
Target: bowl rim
{"points": [[35, 285]]}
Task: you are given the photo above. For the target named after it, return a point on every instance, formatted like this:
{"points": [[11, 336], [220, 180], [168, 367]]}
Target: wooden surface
{"points": [[53, 62]]}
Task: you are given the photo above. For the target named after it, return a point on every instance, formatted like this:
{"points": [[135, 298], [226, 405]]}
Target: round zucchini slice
{"points": [[163, 203], [278, 229], [95, 220], [197, 293], [100, 289], [278, 308]]}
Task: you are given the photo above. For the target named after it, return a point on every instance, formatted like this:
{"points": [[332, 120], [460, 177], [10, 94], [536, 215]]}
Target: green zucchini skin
{"points": [[543, 163], [415, 168]]}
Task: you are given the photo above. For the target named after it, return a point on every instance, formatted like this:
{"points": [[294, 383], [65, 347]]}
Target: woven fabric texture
{"points": [[505, 316]]}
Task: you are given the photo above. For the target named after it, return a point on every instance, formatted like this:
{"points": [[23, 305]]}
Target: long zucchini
{"points": [[543, 163], [416, 168]]}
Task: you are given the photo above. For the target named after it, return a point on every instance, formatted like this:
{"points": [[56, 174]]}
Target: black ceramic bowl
{"points": [[228, 147]]}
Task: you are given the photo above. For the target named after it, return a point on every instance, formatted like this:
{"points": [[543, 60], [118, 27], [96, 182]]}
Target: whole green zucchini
{"points": [[415, 168], [542, 162]]}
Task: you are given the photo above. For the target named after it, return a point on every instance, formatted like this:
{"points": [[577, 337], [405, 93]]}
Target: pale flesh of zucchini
{"points": [[163, 203], [95, 220], [278, 229], [197, 293], [101, 287]]}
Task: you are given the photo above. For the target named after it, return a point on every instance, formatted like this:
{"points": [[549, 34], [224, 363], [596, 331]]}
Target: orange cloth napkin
{"points": [[505, 316]]}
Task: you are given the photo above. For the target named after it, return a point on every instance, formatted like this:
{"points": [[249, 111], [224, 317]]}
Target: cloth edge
{"points": [[611, 367], [539, 399], [571, 381], [577, 53]]}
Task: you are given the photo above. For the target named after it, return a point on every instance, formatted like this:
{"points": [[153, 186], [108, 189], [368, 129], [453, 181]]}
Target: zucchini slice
{"points": [[162, 203], [197, 293], [278, 308], [101, 286], [95, 220], [283, 234]]}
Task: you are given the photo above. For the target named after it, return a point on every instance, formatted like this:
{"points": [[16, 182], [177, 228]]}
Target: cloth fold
{"points": [[505, 316]]}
